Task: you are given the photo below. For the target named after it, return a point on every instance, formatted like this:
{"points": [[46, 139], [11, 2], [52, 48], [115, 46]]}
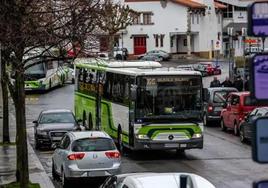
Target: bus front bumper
{"points": [[196, 143]]}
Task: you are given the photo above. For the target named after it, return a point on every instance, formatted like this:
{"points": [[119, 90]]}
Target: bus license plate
{"points": [[183, 145], [56, 138], [171, 145]]}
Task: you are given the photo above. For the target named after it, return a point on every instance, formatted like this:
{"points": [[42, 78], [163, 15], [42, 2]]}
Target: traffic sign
{"points": [[217, 45]]}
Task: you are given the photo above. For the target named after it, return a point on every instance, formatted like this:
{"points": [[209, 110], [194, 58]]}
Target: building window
{"points": [[197, 18], [192, 18], [171, 41], [147, 18], [185, 42], [162, 40], [228, 12], [219, 18], [156, 40], [136, 19], [240, 8]]}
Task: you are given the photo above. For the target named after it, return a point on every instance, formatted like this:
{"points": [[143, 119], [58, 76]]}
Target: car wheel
{"points": [[55, 176], [64, 181], [205, 120], [236, 130], [223, 127], [242, 134]]}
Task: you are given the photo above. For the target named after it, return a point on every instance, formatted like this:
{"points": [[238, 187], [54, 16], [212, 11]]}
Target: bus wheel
{"points": [[50, 84], [90, 122], [120, 140], [84, 119]]}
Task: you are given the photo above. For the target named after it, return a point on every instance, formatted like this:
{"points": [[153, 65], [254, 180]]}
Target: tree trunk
{"points": [[22, 155], [111, 46], [6, 138]]}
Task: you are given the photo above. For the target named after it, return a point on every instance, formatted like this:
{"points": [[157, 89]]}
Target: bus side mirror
{"points": [[260, 140], [133, 94]]}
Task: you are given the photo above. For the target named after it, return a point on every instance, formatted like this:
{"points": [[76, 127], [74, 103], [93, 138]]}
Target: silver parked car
{"points": [[159, 53], [85, 154], [51, 125], [157, 180]]}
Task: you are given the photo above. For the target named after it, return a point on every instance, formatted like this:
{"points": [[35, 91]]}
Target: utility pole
{"points": [[230, 34], [244, 33], [98, 101], [188, 33]]}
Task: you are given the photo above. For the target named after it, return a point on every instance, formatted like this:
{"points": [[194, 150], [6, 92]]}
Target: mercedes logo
{"points": [[170, 137]]}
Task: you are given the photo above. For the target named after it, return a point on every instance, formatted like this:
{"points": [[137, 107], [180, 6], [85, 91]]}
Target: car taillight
{"points": [[210, 108], [112, 154], [76, 156]]}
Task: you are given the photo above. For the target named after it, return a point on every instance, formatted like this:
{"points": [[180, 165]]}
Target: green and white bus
{"points": [[143, 107], [48, 73]]}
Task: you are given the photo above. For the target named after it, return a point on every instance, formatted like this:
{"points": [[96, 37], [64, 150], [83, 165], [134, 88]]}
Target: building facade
{"points": [[165, 25], [235, 23]]}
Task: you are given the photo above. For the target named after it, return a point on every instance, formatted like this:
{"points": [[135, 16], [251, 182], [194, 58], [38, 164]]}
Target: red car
{"points": [[208, 68], [238, 105]]}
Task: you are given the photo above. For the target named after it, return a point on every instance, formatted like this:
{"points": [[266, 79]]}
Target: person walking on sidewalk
{"points": [[215, 82], [227, 83], [238, 83]]}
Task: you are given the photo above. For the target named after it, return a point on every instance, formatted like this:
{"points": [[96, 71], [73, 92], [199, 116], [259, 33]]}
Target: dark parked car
{"points": [[247, 124], [214, 102], [52, 125]]}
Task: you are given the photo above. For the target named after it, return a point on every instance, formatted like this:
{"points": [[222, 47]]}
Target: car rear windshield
{"points": [[248, 101], [93, 144], [220, 96], [57, 117]]}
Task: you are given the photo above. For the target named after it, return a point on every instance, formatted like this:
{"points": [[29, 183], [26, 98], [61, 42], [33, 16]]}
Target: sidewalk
{"points": [[8, 157]]}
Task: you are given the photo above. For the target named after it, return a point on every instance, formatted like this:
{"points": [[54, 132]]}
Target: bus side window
{"points": [[49, 65]]}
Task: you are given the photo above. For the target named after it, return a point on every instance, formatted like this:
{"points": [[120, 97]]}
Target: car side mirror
{"points": [[35, 122], [225, 105]]}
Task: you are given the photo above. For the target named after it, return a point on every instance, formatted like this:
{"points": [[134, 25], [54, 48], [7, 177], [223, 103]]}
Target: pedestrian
{"points": [[238, 83], [227, 83], [215, 82], [246, 86]]}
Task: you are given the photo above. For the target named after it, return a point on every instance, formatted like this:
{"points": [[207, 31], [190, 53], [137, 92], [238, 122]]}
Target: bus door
{"points": [[133, 94]]}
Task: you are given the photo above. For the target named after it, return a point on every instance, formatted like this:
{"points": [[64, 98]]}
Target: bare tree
{"points": [[113, 18], [26, 25], [4, 77]]}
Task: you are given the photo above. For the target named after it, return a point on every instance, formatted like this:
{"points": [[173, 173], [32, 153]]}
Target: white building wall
{"points": [[173, 18], [209, 28]]}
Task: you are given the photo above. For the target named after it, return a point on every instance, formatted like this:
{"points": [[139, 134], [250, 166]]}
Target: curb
{"points": [[38, 177], [38, 173]]}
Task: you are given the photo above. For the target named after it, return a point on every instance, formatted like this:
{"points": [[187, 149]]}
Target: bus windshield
{"points": [[36, 69], [169, 97]]}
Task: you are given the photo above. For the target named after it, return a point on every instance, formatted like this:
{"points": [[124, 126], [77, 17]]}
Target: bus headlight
{"points": [[197, 135], [41, 132], [142, 137]]}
